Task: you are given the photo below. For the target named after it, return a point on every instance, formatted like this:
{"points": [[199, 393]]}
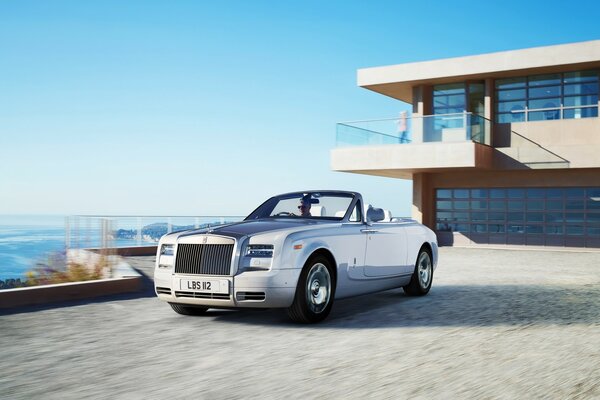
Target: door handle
{"points": [[369, 230]]}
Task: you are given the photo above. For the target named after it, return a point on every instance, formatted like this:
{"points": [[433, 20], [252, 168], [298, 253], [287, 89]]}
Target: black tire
{"points": [[188, 310], [315, 292], [422, 277]]}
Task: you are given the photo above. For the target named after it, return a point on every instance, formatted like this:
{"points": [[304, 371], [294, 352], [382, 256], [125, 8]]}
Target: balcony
{"points": [[400, 147], [445, 128]]}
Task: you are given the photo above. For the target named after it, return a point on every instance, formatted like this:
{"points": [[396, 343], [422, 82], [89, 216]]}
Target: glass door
{"points": [[475, 94]]}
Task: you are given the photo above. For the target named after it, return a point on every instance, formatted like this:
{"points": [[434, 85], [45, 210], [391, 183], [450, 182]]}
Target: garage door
{"points": [[526, 216]]}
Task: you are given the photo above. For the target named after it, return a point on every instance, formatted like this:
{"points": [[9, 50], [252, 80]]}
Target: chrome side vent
{"points": [[250, 296], [163, 290]]}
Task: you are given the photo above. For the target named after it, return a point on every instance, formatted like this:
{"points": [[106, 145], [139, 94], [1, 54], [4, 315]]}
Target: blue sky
{"points": [[208, 108]]}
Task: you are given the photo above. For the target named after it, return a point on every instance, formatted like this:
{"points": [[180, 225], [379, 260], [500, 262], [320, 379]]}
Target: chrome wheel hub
{"points": [[318, 288], [424, 269]]}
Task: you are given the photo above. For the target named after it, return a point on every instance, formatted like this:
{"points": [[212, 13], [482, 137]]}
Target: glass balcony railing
{"points": [[105, 231], [525, 152], [430, 128], [518, 151]]}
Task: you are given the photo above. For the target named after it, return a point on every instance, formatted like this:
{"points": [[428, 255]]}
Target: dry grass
{"points": [[74, 272]]}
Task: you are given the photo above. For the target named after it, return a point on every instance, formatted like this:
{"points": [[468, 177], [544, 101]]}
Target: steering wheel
{"points": [[285, 214]]}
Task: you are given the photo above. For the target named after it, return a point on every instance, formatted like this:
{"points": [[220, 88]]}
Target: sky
{"points": [[210, 107]]}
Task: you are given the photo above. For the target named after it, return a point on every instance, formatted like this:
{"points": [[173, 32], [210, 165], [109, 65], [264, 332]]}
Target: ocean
{"points": [[26, 240]]}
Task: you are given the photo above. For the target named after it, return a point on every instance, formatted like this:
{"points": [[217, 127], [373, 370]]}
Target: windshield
{"points": [[325, 205]]}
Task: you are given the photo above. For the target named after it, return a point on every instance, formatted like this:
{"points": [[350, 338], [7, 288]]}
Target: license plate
{"points": [[205, 285]]}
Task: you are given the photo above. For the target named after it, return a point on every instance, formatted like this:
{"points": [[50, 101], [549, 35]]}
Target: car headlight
{"points": [[257, 257], [259, 250], [167, 250]]}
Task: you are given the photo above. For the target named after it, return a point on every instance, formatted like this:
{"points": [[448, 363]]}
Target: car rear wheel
{"points": [[188, 310], [420, 281], [314, 293]]}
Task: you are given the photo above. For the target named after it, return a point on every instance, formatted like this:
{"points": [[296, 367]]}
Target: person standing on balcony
{"points": [[403, 128]]}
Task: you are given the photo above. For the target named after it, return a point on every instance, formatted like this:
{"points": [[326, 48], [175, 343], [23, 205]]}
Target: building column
{"points": [[417, 113], [423, 200], [421, 101]]}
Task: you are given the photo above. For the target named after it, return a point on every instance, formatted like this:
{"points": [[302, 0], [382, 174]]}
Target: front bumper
{"points": [[253, 289]]}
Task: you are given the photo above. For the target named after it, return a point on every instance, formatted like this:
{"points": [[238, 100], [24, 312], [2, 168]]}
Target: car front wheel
{"points": [[420, 281], [314, 293]]}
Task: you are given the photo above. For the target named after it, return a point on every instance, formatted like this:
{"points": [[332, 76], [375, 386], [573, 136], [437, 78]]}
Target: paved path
{"points": [[497, 324]]}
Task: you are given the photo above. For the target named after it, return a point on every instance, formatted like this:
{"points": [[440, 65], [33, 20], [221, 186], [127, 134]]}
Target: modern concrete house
{"points": [[502, 148]]}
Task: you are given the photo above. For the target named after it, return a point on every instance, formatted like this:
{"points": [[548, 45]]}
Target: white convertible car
{"points": [[298, 251]]}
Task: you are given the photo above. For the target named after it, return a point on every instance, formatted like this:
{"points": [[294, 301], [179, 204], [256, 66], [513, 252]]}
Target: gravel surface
{"points": [[496, 324]]}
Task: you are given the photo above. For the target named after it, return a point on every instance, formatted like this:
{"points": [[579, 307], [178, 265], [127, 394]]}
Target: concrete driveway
{"points": [[496, 324]]}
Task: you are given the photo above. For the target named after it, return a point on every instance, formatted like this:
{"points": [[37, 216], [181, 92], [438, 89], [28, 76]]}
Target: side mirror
{"points": [[374, 215]]}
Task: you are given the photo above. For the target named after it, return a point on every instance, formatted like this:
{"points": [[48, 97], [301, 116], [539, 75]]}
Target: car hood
{"points": [[249, 228]]}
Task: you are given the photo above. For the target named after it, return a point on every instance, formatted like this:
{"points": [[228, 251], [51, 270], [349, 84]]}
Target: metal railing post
{"points": [[466, 126], [102, 233], [77, 232], [562, 111], [88, 230], [67, 233], [109, 236], [139, 231]]}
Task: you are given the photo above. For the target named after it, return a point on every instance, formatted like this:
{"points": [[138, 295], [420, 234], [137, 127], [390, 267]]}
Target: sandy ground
{"points": [[496, 324]]}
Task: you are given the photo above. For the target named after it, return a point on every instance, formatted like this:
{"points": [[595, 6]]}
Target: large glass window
{"points": [[449, 99], [546, 97]]}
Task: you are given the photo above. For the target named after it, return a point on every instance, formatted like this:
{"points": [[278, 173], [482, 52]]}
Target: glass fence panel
{"points": [[581, 113], [132, 231], [454, 127]]}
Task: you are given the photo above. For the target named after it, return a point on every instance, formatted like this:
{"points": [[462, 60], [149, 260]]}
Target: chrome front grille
{"points": [[204, 259]]}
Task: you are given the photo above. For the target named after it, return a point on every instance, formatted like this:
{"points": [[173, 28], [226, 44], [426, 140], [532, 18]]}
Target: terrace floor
{"points": [[496, 324]]}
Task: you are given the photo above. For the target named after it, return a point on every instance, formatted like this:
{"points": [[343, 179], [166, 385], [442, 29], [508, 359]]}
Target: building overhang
{"points": [[402, 161], [397, 81]]}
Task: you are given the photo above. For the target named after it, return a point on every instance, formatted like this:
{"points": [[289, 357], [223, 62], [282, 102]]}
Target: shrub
{"points": [[12, 283], [73, 272], [59, 269]]}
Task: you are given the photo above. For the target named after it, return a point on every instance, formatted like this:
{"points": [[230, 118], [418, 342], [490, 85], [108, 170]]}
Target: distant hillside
{"points": [[156, 230]]}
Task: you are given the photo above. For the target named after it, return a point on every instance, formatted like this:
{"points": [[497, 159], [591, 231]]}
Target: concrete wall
{"points": [[576, 140], [26, 296], [561, 132], [402, 160], [423, 201], [522, 178], [128, 251], [397, 80]]}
